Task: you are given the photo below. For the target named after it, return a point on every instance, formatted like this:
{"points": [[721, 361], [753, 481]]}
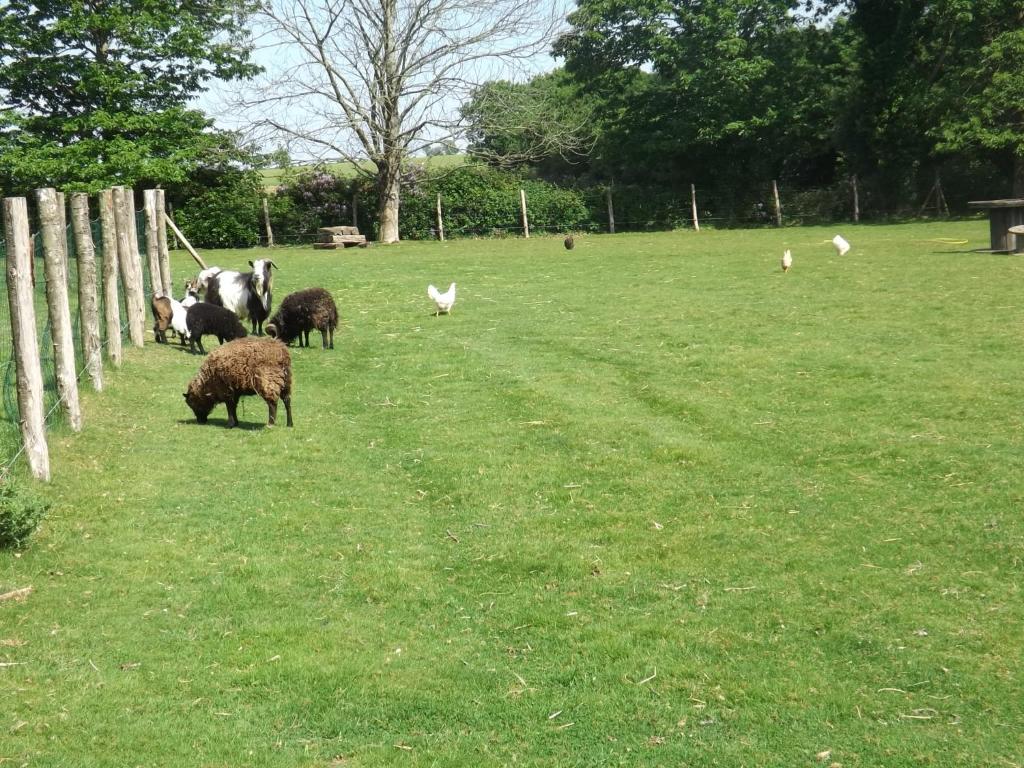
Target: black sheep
{"points": [[302, 312], [203, 318]]}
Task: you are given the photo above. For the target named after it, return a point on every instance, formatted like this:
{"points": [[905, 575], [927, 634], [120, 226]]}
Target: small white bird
{"points": [[787, 261], [444, 301], [841, 245]]}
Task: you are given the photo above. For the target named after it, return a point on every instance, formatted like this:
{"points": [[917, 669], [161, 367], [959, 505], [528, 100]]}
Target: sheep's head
{"points": [[200, 402]]}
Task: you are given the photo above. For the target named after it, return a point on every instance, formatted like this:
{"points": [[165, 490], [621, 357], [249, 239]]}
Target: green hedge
{"points": [[478, 200]]}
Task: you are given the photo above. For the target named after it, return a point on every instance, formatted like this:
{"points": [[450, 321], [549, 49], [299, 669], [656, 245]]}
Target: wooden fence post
{"points": [[440, 220], [355, 210], [522, 209], [131, 273], [611, 210], [165, 254], [778, 204], [693, 206], [87, 305], [55, 259], [266, 222], [111, 310], [156, 280], [856, 199], [23, 335], [136, 260], [184, 241]]}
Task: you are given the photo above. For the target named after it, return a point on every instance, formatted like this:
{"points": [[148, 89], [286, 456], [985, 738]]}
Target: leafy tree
{"points": [[547, 123], [96, 90], [377, 79], [990, 111], [933, 83], [728, 91]]}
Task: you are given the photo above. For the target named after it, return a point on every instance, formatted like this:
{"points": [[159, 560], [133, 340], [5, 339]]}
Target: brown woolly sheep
{"points": [[163, 312], [302, 312], [246, 366]]}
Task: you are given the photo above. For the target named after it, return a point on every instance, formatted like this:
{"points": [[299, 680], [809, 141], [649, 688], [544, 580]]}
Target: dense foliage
{"points": [[732, 95]]}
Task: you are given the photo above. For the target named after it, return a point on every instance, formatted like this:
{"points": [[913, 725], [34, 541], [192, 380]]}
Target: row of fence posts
{"points": [[120, 257], [525, 219]]}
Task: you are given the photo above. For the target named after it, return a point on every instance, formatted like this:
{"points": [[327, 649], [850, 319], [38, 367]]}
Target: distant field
{"points": [[650, 502], [272, 177]]}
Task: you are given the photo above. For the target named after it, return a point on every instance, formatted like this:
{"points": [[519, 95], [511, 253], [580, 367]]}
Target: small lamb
{"points": [[203, 318], [247, 366]]}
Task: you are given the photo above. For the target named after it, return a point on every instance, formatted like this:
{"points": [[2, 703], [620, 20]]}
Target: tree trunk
{"points": [[1018, 176], [388, 201]]}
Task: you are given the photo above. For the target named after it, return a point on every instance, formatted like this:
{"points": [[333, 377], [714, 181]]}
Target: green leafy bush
{"points": [[21, 511], [479, 200], [224, 215]]}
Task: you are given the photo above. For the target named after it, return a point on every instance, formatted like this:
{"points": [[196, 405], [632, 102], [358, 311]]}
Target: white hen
{"points": [[444, 301], [787, 261]]}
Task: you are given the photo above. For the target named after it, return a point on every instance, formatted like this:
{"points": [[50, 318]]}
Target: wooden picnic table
{"points": [[1002, 214]]}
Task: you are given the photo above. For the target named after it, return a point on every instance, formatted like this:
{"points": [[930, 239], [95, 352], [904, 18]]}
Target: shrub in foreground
{"points": [[21, 512]]}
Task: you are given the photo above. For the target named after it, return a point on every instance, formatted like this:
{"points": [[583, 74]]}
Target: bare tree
{"points": [[378, 80]]}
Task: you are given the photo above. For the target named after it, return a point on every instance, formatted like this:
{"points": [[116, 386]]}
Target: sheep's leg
{"points": [[331, 330], [232, 404], [287, 400], [323, 336], [272, 409]]}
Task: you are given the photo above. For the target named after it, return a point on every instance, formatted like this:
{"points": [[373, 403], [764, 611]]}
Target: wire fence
{"points": [[11, 446]]}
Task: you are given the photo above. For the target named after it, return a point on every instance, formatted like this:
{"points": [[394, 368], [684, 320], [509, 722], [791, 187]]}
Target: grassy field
{"points": [[647, 502], [273, 177]]}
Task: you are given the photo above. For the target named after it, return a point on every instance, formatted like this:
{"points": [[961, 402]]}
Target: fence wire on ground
{"points": [[11, 445]]}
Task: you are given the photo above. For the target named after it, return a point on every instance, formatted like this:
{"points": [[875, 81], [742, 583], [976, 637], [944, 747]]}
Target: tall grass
{"points": [[647, 502]]}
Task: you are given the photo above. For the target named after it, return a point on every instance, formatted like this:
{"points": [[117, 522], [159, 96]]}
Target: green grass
{"points": [[273, 177], [647, 502]]}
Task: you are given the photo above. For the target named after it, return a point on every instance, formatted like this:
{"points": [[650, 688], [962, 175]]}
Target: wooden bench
{"points": [[339, 237]]}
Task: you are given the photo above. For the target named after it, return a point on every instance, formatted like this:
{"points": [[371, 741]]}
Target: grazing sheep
{"points": [[163, 311], [247, 294], [243, 367], [302, 312], [569, 243], [203, 318]]}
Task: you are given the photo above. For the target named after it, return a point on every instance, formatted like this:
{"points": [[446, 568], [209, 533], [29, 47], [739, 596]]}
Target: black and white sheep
{"points": [[203, 318], [247, 294], [302, 312], [243, 367]]}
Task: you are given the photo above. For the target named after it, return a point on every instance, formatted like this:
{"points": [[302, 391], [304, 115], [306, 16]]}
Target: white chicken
{"points": [[787, 261], [841, 245], [444, 301]]}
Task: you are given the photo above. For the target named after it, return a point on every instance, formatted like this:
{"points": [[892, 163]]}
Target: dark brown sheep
{"points": [[569, 243], [302, 312], [248, 366], [163, 312]]}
